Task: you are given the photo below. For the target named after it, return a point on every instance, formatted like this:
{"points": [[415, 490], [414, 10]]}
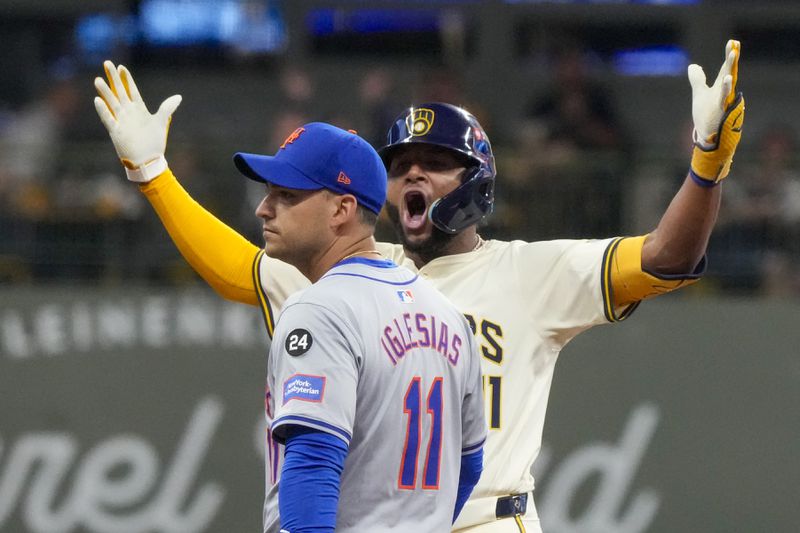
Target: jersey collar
{"points": [[378, 263]]}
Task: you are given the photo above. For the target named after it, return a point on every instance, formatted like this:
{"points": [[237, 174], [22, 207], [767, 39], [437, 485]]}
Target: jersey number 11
{"points": [[412, 406]]}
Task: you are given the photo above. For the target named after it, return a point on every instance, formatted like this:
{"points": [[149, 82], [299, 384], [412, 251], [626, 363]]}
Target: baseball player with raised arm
{"points": [[525, 301], [373, 399]]}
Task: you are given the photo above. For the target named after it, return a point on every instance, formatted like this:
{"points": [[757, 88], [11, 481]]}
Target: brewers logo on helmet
{"points": [[420, 121]]}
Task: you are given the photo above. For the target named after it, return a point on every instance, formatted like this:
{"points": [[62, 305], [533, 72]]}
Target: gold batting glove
{"points": [[139, 137], [718, 114]]}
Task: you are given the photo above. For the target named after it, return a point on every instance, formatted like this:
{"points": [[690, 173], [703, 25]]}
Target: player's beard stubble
{"points": [[427, 249]]}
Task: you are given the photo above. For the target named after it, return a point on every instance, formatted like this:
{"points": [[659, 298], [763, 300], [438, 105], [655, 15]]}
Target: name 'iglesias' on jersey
{"points": [[404, 333]]}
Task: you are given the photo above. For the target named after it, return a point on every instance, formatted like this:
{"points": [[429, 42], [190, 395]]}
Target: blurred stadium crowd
{"points": [[568, 166]]}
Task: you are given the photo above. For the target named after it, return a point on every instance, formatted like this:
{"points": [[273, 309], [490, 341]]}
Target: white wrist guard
{"points": [[148, 171]]}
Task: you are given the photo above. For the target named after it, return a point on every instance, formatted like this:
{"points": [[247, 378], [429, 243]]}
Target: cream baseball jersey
{"points": [[377, 357]]}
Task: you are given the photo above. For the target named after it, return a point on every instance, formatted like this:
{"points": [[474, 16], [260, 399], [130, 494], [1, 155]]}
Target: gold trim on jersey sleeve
{"points": [[263, 300], [607, 287], [625, 283], [221, 256]]}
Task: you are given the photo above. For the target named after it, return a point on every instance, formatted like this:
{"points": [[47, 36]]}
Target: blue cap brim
{"points": [[267, 169]]}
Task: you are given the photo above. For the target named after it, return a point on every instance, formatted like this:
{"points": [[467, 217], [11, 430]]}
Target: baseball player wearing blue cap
{"points": [[525, 301], [373, 392]]}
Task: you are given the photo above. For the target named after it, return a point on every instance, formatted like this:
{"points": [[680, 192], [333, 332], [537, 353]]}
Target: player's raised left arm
{"points": [[221, 256], [672, 255], [679, 242]]}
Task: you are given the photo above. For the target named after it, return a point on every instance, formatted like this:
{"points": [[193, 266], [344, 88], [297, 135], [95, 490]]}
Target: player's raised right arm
{"points": [[222, 257]]}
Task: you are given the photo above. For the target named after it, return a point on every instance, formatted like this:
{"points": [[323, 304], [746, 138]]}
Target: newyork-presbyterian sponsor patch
{"points": [[304, 387]]}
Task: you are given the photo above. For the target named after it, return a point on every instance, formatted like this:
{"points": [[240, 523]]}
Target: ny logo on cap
{"points": [[293, 137]]}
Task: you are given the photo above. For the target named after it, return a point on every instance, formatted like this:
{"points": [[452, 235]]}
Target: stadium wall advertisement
{"points": [[141, 410]]}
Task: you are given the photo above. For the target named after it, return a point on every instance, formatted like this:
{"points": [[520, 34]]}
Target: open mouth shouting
{"points": [[414, 210]]}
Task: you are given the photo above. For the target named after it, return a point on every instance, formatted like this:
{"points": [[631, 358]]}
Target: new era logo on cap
{"points": [[343, 178]]}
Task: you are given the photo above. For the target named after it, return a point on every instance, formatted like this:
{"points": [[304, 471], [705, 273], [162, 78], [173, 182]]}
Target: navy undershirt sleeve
{"points": [[308, 492]]}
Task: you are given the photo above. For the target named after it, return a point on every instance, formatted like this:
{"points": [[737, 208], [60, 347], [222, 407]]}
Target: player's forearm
{"points": [[679, 242], [221, 256]]}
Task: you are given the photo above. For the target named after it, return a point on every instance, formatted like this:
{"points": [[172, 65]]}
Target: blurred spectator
{"points": [[442, 84], [755, 245], [576, 112], [30, 147], [439, 84], [297, 86], [62, 216], [377, 105], [571, 156]]}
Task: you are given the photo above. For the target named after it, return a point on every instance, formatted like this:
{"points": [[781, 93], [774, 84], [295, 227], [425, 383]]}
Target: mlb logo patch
{"points": [[304, 387], [406, 296]]}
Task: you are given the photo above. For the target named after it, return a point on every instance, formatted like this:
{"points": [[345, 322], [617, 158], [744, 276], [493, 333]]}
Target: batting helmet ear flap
{"points": [[468, 204]]}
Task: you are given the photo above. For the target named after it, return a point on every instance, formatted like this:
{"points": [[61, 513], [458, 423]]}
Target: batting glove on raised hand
{"points": [[139, 137], [718, 113]]}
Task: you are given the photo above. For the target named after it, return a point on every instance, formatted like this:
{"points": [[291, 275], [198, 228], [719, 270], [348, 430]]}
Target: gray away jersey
{"points": [[379, 358]]}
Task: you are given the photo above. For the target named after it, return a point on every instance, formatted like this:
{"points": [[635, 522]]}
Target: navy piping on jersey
{"points": [[470, 449], [315, 422]]}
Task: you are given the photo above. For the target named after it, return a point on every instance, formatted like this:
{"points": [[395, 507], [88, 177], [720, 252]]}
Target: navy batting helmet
{"points": [[456, 129]]}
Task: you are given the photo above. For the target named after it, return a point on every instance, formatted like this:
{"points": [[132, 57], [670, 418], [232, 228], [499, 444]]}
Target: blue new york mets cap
{"points": [[321, 156]]}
